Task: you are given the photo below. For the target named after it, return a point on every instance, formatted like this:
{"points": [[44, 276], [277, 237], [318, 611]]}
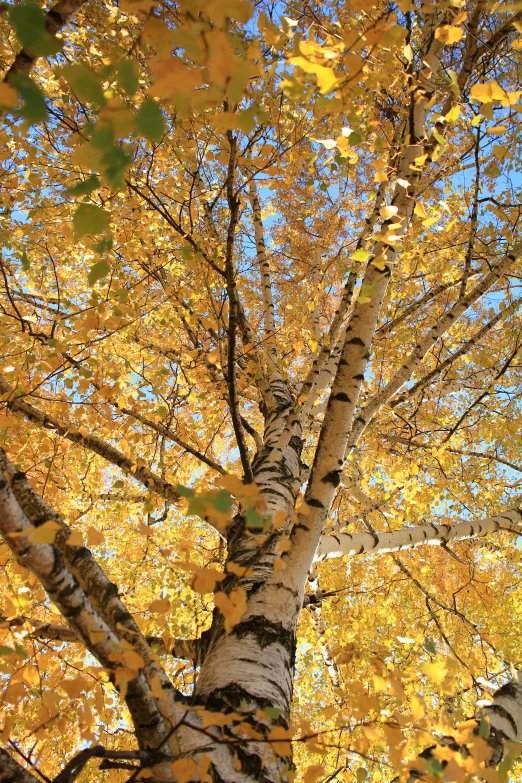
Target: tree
{"points": [[260, 333]]}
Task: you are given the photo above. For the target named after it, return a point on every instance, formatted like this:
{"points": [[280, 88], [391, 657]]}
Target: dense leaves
{"points": [[192, 195]]}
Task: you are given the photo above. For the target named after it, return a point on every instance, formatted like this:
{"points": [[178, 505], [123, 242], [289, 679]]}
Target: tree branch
{"points": [[13, 772], [56, 18], [91, 442], [186, 649], [465, 347], [46, 563], [417, 355], [233, 205], [346, 544], [103, 594]]}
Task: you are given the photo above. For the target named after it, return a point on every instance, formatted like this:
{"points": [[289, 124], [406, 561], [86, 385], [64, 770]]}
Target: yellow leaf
{"points": [[418, 707], [8, 96], [435, 671], [379, 683], [136, 6], [74, 688], [156, 689], [43, 534], [75, 539], [327, 78], [429, 221], [205, 579], [232, 484], [284, 544], [420, 210], [449, 34], [238, 570], [372, 732], [388, 212], [31, 676], [517, 44], [279, 737], [160, 605], [94, 537], [487, 93], [184, 770], [132, 659], [232, 606]]}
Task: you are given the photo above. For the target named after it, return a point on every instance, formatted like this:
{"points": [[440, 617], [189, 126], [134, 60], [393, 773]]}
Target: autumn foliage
{"points": [[217, 218]]}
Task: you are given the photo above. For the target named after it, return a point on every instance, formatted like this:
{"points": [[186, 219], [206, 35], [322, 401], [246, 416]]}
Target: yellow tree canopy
{"points": [[229, 228]]}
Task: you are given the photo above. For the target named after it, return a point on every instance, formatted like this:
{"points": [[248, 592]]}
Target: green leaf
{"points": [[185, 492], [98, 271], [84, 188], [103, 136], [273, 712], [149, 120], [354, 138], [104, 245], [5, 650], [85, 83], [223, 501], [29, 23], [361, 774], [127, 76], [114, 164], [89, 219], [254, 520], [196, 508], [484, 727], [429, 646], [435, 768], [34, 108], [507, 763], [26, 263], [492, 170]]}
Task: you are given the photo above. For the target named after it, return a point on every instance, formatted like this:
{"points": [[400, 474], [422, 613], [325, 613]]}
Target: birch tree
{"points": [[259, 299]]}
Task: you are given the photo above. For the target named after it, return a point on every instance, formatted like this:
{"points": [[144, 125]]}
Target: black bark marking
{"points": [[342, 397], [356, 341], [315, 503], [503, 713], [265, 633], [510, 689], [56, 17], [231, 698], [332, 477], [252, 765]]}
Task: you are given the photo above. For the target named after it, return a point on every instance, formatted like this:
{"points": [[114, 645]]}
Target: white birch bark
{"points": [[342, 403], [346, 544], [45, 562], [416, 356], [504, 716]]}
